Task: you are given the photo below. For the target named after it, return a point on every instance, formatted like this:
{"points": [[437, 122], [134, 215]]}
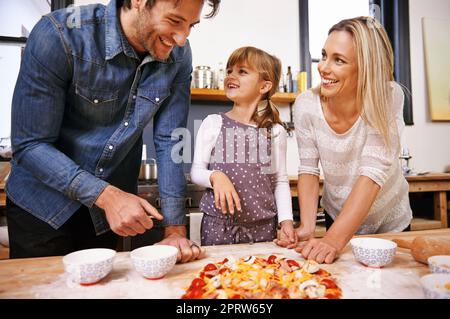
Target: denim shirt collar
{"points": [[115, 40]]}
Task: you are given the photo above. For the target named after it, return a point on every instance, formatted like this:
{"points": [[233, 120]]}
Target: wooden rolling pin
{"points": [[423, 247]]}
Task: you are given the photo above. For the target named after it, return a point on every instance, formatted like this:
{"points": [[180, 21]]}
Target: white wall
{"points": [[14, 14], [269, 25], [251, 22], [428, 141], [238, 23]]}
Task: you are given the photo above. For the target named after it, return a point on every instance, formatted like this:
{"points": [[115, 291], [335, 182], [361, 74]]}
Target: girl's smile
{"points": [[242, 84]]}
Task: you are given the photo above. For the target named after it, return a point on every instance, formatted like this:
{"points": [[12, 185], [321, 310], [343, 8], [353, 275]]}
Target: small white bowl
{"points": [[89, 266], [436, 286], [439, 264], [154, 262], [373, 252]]}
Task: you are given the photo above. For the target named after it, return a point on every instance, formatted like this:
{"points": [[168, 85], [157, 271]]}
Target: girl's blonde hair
{"points": [[269, 69], [375, 72]]}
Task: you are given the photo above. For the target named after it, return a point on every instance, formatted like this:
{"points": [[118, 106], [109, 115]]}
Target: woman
{"points": [[351, 123]]}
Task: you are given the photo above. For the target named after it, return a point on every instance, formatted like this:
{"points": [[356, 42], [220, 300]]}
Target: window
{"points": [[323, 14], [17, 19], [317, 16]]}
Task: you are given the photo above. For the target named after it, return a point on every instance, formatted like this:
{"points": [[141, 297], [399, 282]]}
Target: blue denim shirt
{"points": [[81, 102]]}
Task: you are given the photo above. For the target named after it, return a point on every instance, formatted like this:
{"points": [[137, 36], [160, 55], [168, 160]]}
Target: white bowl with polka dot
{"points": [[436, 286], [439, 264], [89, 266], [154, 262], [373, 252]]}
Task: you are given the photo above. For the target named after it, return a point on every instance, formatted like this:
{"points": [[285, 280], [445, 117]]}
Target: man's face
{"points": [[165, 25]]}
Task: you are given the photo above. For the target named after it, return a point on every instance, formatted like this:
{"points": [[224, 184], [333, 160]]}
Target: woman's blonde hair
{"points": [[269, 69], [375, 72]]}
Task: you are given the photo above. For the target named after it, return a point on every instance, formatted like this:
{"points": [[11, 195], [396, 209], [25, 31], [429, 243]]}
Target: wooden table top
{"points": [[45, 277], [410, 178]]}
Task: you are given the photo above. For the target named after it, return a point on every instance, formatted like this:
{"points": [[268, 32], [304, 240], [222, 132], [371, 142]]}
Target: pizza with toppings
{"points": [[274, 277]]}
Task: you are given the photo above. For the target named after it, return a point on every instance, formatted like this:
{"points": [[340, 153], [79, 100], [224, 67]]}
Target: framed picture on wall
{"points": [[437, 66]]}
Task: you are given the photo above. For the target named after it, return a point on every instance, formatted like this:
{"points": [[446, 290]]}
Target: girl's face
{"points": [[243, 84], [338, 67]]}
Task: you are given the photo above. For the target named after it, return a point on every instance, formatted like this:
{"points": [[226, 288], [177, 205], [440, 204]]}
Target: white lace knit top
{"points": [[344, 157]]}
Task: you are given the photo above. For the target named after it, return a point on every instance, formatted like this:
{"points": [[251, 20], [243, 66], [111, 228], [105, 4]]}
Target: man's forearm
{"points": [[62, 173]]}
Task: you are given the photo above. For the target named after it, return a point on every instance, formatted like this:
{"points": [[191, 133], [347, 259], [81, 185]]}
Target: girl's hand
{"points": [[224, 193], [320, 249], [287, 236]]}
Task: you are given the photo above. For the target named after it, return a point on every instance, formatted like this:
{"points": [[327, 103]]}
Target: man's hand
{"points": [[287, 237], [188, 250], [225, 195], [127, 214]]}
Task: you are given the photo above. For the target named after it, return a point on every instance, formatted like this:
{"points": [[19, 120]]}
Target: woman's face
{"points": [[338, 67]]}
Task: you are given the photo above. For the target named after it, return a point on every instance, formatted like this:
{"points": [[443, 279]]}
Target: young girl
{"points": [[240, 157], [352, 124]]}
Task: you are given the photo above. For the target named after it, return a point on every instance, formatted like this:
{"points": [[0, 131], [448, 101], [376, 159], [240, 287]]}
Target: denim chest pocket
{"points": [[96, 105], [148, 103]]}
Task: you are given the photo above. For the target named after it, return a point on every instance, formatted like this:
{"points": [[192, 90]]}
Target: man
{"points": [[90, 81]]}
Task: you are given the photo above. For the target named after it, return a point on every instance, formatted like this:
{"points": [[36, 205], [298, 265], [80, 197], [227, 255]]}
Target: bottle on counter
{"points": [[295, 83], [281, 86], [302, 79], [299, 82], [289, 82], [220, 78]]}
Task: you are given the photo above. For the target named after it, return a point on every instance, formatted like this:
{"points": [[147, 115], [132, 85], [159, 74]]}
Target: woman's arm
{"points": [[350, 218], [354, 212], [308, 199]]}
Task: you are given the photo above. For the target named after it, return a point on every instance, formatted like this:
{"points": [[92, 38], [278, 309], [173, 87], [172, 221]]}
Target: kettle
{"points": [[148, 170]]}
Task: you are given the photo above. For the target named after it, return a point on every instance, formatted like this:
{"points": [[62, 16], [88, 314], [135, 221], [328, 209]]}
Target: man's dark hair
{"points": [[214, 4]]}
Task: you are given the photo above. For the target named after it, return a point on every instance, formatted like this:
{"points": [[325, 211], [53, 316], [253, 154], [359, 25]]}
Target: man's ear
{"points": [[265, 87]]}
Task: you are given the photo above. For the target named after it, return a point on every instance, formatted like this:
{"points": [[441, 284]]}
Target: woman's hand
{"points": [[287, 236], [319, 249], [224, 193]]}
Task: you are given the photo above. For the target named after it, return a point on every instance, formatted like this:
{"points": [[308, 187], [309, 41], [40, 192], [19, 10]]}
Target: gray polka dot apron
{"points": [[241, 152]]}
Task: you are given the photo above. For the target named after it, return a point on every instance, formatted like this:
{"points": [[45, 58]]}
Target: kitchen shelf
{"points": [[219, 96]]}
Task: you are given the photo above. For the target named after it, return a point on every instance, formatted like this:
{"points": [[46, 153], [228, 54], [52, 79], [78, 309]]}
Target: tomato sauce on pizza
{"points": [[274, 277]]}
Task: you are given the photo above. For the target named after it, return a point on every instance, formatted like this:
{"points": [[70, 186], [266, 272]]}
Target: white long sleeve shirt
{"points": [[344, 157], [205, 141]]}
